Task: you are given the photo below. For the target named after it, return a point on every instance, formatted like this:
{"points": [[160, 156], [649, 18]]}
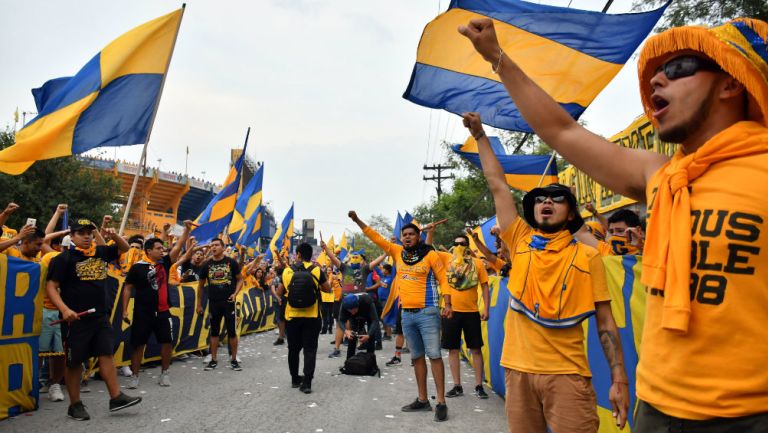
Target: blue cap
{"points": [[350, 302]]}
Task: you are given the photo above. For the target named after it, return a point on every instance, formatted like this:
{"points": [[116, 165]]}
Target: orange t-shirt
{"points": [[532, 348], [465, 301], [718, 368], [417, 283]]}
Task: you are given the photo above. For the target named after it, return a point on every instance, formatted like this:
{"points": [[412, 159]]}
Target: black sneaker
{"points": [[457, 391], [335, 354], [480, 392], [418, 406], [235, 365], [441, 412], [77, 411], [296, 382], [306, 388], [211, 365], [278, 342], [122, 401], [394, 361]]}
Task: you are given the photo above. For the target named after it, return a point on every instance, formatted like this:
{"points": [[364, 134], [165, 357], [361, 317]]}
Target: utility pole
{"points": [[439, 178]]}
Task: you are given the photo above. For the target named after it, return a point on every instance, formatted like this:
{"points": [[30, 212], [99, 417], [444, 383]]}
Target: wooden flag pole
{"points": [[143, 159], [546, 170]]}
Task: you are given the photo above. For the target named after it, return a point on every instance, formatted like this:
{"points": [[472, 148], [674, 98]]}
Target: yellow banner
{"points": [[640, 134]]}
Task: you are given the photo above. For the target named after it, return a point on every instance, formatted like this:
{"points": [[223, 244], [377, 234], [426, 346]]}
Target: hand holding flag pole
{"points": [[79, 315]]}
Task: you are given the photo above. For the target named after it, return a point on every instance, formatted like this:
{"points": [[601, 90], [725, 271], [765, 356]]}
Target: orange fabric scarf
{"points": [[667, 253], [90, 252]]}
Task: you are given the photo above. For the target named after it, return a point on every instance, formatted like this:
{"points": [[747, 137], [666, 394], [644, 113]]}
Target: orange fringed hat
{"points": [[739, 47]]}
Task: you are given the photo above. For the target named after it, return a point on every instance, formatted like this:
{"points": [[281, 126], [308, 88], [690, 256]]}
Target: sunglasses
{"points": [[685, 66], [556, 198], [460, 244]]}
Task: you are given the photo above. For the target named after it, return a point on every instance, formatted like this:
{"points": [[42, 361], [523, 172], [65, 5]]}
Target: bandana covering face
{"points": [[462, 274], [621, 246], [667, 254]]}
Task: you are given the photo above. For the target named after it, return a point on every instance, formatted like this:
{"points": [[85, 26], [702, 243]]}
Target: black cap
{"points": [[529, 200], [80, 224]]}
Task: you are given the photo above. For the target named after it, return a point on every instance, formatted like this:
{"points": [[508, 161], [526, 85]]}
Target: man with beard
{"points": [[706, 89], [419, 269], [554, 284]]}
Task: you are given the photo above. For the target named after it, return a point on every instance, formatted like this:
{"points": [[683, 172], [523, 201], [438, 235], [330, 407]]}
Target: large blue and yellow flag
{"points": [[343, 247], [281, 241], [218, 214], [111, 101], [252, 229], [484, 233], [523, 172], [572, 54], [247, 205]]}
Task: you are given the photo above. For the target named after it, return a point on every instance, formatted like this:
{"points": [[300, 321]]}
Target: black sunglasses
{"points": [[460, 244], [685, 66], [557, 198]]}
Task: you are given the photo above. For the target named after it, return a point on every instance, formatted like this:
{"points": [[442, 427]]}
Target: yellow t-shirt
{"points": [[312, 311], [417, 283], [530, 347], [46, 261], [718, 368], [465, 301], [15, 252], [9, 233]]}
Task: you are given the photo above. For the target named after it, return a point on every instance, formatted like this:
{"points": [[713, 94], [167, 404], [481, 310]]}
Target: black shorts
{"points": [[467, 322], [399, 323], [222, 309], [86, 338], [146, 324], [336, 309], [280, 309]]}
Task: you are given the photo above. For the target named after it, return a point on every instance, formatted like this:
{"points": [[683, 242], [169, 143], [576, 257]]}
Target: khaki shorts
{"points": [[565, 403]]}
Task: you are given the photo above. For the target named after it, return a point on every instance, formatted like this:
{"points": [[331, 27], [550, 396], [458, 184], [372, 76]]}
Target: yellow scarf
{"points": [[145, 258], [90, 252], [667, 252]]}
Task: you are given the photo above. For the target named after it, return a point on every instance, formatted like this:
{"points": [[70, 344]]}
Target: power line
{"points": [[439, 178]]}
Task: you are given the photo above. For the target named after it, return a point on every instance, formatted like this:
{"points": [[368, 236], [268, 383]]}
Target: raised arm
{"points": [[24, 232], [60, 209], [376, 262], [174, 253], [482, 247], [376, 238], [121, 243], [334, 260], [430, 229], [585, 237], [503, 200], [7, 212], [623, 170]]}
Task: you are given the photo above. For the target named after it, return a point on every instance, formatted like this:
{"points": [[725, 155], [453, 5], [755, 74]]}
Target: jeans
{"points": [[422, 331], [302, 334]]}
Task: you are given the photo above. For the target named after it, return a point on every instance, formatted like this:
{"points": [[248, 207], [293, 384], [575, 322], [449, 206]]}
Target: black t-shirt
{"points": [[190, 272], [83, 280], [143, 277], [353, 278], [366, 311], [221, 276]]}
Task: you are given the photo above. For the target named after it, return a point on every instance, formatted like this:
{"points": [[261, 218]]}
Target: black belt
{"points": [[412, 310]]}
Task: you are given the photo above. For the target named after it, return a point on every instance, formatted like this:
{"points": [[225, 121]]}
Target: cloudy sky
{"points": [[320, 83]]}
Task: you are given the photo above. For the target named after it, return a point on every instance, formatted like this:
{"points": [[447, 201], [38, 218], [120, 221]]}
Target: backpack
{"points": [[361, 364], [302, 291], [462, 276]]}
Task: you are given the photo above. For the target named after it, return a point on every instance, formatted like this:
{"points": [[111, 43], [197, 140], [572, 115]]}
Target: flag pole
{"points": [[546, 170], [143, 159]]}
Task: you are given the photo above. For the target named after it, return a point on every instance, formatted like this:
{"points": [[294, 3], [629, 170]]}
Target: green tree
{"points": [[710, 12], [89, 193], [382, 225]]}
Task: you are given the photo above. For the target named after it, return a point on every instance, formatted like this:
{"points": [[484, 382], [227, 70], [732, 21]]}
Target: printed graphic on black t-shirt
{"points": [[82, 279], [144, 279], [221, 276]]}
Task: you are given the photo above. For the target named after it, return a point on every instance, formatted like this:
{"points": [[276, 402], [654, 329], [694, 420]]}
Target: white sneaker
{"points": [[207, 358], [54, 393], [165, 379], [133, 382], [126, 371]]}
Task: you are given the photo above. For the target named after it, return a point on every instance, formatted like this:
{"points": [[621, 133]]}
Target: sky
{"points": [[319, 82]]}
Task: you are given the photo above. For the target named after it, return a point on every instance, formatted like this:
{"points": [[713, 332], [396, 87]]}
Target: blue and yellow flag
{"points": [[343, 246], [398, 228], [217, 215], [248, 202], [523, 172], [252, 229], [110, 102], [484, 232], [281, 241], [572, 54]]}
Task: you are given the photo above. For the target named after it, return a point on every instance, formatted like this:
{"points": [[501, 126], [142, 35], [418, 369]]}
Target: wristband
{"points": [[496, 69], [621, 381]]}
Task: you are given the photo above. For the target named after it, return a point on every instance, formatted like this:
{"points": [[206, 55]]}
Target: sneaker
{"points": [[306, 388], [417, 406], [165, 379], [379, 346], [394, 361], [77, 411], [480, 392], [133, 382], [125, 371], [207, 359], [335, 354], [211, 365], [235, 365], [54, 393], [44, 388], [456, 391], [441, 412], [122, 401], [278, 342], [296, 383], [84, 386]]}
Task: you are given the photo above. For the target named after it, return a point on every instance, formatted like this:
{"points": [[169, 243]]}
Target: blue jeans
{"points": [[422, 331]]}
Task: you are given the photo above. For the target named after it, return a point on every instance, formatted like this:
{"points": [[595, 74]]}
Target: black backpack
{"points": [[361, 364], [302, 291]]}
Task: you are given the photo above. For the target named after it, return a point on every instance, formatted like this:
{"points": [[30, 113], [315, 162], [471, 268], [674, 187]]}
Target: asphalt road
{"points": [[260, 399]]}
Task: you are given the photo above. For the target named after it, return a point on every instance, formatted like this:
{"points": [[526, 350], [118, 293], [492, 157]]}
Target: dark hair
{"points": [[626, 216], [305, 251], [463, 236], [35, 235], [150, 243], [410, 226], [136, 239], [387, 267], [219, 241]]}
